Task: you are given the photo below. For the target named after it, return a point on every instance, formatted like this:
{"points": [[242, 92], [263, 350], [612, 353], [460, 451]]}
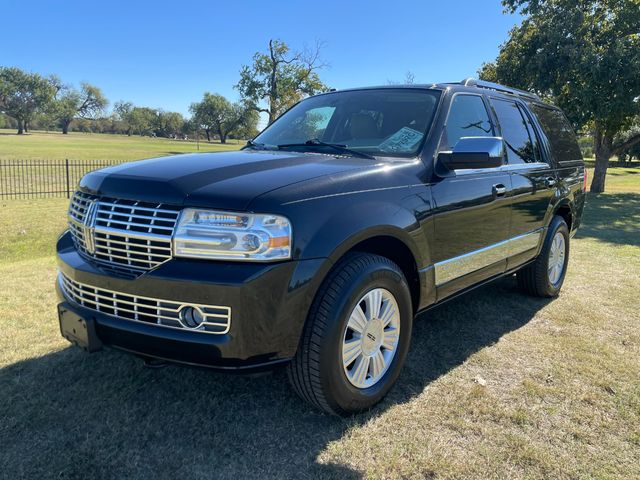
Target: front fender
{"points": [[337, 231], [327, 226], [353, 223]]}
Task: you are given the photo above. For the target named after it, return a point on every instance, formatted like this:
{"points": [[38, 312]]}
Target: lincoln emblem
{"points": [[88, 227]]}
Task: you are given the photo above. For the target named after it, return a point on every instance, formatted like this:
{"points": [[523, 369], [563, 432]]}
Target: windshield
{"points": [[386, 122]]}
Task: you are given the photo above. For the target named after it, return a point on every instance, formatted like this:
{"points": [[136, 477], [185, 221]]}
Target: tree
{"points": [[204, 113], [280, 78], [132, 119], [248, 128], [217, 114], [142, 120], [409, 79], [71, 103], [122, 111], [585, 56], [24, 94], [168, 124], [188, 127], [634, 150]]}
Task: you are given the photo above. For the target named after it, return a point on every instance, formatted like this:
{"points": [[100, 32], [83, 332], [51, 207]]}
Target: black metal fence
{"points": [[43, 178]]}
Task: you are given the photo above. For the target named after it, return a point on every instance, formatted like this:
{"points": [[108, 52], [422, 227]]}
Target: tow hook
{"points": [[153, 362]]}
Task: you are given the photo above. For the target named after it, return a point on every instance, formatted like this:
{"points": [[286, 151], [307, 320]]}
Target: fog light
{"points": [[191, 317]]}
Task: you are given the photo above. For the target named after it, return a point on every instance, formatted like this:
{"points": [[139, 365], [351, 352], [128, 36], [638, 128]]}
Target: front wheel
{"points": [[545, 275], [356, 337]]}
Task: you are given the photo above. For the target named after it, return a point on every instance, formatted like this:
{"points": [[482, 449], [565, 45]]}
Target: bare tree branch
{"points": [[630, 142]]}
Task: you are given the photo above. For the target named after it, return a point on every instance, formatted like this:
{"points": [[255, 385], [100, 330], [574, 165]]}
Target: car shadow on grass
{"points": [[612, 218], [74, 415]]}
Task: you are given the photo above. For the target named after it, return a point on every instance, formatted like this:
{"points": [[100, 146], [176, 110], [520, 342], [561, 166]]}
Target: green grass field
{"points": [[49, 150], [497, 384], [96, 146]]}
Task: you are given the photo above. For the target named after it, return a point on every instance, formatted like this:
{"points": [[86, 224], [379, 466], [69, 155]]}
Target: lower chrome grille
{"points": [[125, 237], [164, 313]]}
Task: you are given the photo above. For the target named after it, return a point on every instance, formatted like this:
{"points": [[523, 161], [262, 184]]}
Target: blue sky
{"points": [[166, 54]]}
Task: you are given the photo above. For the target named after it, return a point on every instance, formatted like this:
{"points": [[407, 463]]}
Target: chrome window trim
{"points": [[493, 119], [524, 111], [446, 120], [448, 270]]}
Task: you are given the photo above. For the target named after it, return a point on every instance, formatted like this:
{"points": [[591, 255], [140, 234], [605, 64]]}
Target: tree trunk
{"points": [[273, 87], [208, 132], [223, 136], [26, 126], [65, 127], [20, 127], [602, 146]]}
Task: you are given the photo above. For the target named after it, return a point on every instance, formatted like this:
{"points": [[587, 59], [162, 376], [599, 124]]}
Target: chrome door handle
{"points": [[499, 190], [550, 182]]}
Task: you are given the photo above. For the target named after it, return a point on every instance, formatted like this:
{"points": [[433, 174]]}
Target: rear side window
{"points": [[559, 132], [521, 145], [468, 117]]}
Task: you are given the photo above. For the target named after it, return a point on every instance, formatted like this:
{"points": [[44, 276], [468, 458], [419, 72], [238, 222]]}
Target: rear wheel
{"points": [[356, 337], [544, 277]]}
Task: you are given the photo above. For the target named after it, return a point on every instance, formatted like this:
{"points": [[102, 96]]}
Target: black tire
{"points": [[316, 372], [534, 278]]}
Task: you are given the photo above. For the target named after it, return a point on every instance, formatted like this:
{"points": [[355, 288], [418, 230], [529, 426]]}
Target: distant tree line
{"points": [[271, 84], [31, 101]]}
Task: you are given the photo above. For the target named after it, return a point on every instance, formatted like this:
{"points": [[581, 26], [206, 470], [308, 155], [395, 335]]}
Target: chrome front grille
{"points": [[164, 313], [124, 236], [77, 212]]}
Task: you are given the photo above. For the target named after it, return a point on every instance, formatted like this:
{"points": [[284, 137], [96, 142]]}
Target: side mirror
{"points": [[474, 152]]}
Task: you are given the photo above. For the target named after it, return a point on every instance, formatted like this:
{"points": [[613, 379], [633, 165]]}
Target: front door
{"points": [[471, 207]]}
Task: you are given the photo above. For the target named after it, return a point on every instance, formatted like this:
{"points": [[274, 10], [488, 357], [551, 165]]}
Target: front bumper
{"points": [[269, 305]]}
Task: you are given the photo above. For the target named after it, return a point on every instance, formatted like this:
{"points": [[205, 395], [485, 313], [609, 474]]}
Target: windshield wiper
{"points": [[259, 146], [314, 142]]}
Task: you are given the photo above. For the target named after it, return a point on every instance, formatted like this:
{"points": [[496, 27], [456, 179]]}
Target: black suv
{"points": [[316, 245]]}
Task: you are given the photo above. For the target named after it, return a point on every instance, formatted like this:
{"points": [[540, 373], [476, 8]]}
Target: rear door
{"points": [[471, 207], [559, 137], [533, 178]]}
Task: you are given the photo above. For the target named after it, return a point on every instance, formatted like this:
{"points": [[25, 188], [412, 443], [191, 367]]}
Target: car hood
{"points": [[229, 180]]}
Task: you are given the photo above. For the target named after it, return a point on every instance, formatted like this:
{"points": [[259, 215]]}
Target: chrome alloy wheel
{"points": [[370, 339], [556, 258]]}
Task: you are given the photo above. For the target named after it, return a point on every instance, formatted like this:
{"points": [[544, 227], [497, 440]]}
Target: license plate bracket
{"points": [[78, 330]]}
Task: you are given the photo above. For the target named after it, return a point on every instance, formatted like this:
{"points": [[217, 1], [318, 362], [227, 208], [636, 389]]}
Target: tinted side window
{"points": [[520, 147], [468, 117], [532, 134], [559, 132]]}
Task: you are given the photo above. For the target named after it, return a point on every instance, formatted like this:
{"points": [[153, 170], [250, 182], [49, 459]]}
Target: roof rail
{"points": [[472, 82]]}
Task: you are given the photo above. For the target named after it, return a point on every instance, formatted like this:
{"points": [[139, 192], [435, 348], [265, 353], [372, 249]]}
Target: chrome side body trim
{"points": [[456, 267], [504, 168]]}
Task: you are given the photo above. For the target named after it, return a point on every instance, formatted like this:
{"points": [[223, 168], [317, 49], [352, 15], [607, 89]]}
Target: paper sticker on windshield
{"points": [[405, 139]]}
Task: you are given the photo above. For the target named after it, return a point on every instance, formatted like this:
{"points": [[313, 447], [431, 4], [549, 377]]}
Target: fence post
{"points": [[66, 167]]}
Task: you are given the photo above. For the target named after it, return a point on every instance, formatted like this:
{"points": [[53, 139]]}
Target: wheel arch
{"points": [[564, 210], [392, 243], [399, 253]]}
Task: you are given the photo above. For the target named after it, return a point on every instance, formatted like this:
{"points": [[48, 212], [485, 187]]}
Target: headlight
{"points": [[232, 236]]}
